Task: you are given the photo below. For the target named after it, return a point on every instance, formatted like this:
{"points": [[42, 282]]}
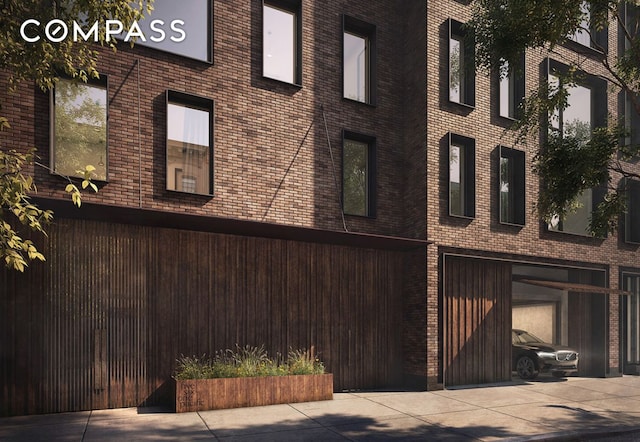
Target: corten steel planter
{"points": [[219, 393]]}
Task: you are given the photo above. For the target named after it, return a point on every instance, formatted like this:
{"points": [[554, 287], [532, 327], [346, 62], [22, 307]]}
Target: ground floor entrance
{"points": [[485, 298]]}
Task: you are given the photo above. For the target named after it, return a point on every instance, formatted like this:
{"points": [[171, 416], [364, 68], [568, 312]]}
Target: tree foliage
{"points": [[44, 62], [567, 163]]}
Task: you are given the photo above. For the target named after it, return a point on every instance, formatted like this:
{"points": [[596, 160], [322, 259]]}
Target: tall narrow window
{"points": [[585, 109], [631, 320], [632, 216], [583, 33], [461, 68], [358, 60], [512, 186], [461, 176], [575, 121], [587, 34], [79, 127], [189, 143], [282, 41], [511, 88], [358, 176]]}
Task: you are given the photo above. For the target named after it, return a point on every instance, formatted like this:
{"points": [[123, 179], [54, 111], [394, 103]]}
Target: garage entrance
{"points": [[483, 299]]}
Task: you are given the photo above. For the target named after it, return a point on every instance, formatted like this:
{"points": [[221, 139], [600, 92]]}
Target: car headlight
{"points": [[546, 355]]}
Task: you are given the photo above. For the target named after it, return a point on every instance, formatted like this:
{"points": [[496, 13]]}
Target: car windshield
{"points": [[523, 337]]}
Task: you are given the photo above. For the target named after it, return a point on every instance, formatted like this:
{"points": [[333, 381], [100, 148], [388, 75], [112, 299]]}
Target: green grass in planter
{"points": [[247, 361]]}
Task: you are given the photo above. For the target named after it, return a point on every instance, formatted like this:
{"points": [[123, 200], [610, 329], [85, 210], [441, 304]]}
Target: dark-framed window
{"points": [[189, 143], [358, 60], [630, 316], [511, 88], [587, 35], [358, 174], [632, 215], [462, 176], [282, 40], [190, 37], [462, 77], [511, 186], [626, 109], [79, 127], [586, 109], [631, 119]]}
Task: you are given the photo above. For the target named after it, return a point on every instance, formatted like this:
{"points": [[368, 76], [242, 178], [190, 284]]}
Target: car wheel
{"points": [[526, 368], [558, 374]]}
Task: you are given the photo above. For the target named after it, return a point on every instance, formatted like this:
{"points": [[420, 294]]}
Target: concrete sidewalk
{"points": [[548, 408]]}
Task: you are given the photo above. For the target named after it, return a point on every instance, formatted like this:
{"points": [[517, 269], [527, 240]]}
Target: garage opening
{"points": [[485, 299]]}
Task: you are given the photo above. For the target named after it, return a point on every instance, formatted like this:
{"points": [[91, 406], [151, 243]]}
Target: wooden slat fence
{"points": [[101, 323]]}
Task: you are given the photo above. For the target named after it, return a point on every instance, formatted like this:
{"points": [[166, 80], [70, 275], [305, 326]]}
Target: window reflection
{"points": [[196, 17], [456, 69], [456, 180], [574, 121], [80, 128], [356, 177], [279, 36], [583, 33], [356, 67], [188, 149]]}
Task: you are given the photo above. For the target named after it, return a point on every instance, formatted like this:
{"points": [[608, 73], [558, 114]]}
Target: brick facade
{"points": [[266, 171]]}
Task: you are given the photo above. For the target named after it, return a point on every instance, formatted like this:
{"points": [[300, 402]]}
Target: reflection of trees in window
{"points": [[456, 177], [355, 177], [505, 195], [456, 80], [80, 128]]}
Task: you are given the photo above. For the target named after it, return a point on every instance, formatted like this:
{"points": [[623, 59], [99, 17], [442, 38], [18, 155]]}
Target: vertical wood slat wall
{"points": [[101, 323], [477, 324]]}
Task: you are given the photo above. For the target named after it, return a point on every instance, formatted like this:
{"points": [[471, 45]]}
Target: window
{"points": [[632, 216], [358, 174], [587, 34], [191, 39], [79, 127], [583, 33], [586, 108], [511, 90], [631, 319], [512, 186], [461, 66], [358, 60], [282, 41], [189, 143], [631, 120], [462, 179]]}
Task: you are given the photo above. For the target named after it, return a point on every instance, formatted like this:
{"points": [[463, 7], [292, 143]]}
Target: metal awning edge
{"points": [[572, 286]]}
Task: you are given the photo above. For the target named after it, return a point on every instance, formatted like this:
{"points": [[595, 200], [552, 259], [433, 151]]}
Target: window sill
{"points": [[464, 105], [197, 195], [350, 215], [364, 103], [283, 82], [573, 234], [502, 223], [581, 49], [466, 217]]}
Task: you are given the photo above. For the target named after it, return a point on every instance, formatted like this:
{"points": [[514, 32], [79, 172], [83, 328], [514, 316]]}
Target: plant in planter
{"points": [[247, 377]]}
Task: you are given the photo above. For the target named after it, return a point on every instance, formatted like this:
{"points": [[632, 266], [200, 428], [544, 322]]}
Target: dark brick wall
{"points": [[259, 123], [484, 233]]}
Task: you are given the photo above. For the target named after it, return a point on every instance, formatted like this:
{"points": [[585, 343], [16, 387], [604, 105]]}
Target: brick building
{"points": [[285, 177]]}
